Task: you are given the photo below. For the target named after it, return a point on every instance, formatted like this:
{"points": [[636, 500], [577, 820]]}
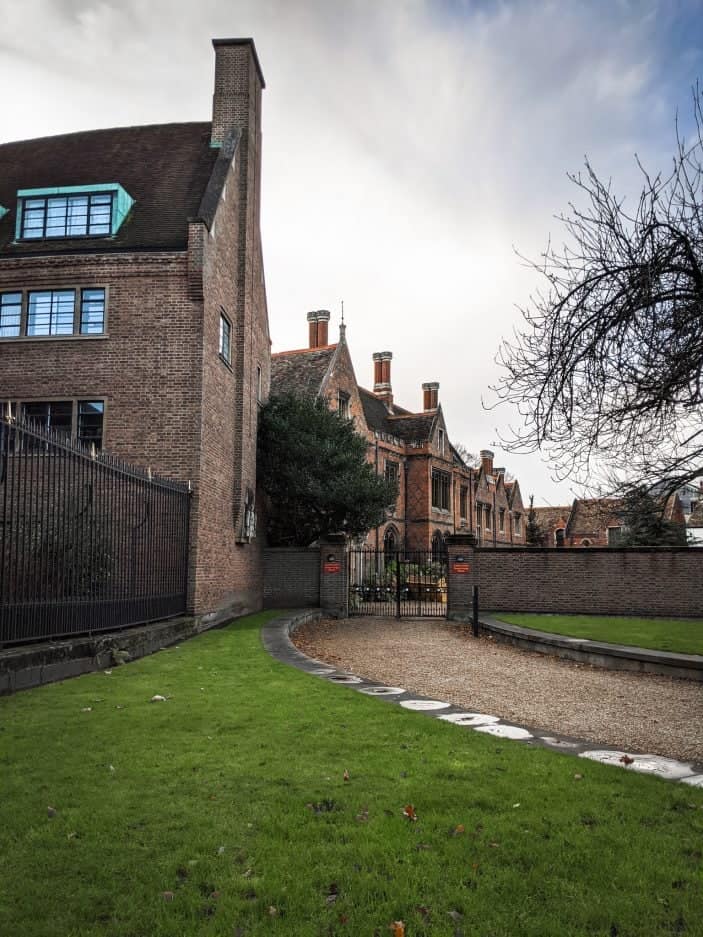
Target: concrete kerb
{"points": [[275, 636], [597, 653]]}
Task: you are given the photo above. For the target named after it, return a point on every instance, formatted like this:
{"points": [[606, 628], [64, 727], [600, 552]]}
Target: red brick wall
{"points": [[644, 581]]}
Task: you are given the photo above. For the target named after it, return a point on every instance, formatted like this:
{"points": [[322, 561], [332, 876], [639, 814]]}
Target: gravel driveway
{"points": [[635, 712]]}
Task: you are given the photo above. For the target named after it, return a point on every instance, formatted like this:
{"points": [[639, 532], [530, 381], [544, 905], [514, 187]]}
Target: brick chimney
{"points": [[487, 461], [382, 377], [238, 84], [430, 396], [318, 321]]}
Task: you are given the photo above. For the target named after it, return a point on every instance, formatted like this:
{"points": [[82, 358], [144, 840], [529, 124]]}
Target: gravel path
{"points": [[635, 712]]}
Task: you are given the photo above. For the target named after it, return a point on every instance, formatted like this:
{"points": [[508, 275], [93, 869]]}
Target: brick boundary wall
{"points": [[618, 581], [291, 577]]}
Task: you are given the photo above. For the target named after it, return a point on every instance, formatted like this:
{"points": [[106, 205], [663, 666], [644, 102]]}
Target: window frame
{"points": [[17, 408], [463, 502], [441, 486], [45, 197], [77, 322], [225, 327], [343, 401]]}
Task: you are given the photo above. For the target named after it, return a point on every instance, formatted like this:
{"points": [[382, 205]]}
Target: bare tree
{"points": [[607, 369]]}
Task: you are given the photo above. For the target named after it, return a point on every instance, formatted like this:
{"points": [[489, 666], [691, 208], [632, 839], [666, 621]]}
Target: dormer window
{"points": [[71, 212]]}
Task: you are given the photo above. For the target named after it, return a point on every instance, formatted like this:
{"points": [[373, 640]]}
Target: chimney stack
{"points": [[238, 84], [430, 396], [487, 461], [382, 377], [318, 321]]}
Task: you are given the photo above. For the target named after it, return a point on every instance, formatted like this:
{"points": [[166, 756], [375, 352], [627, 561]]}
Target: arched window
{"points": [[586, 543], [390, 543], [438, 547]]}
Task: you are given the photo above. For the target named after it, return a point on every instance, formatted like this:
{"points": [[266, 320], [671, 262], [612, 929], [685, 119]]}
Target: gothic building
{"points": [[439, 494]]}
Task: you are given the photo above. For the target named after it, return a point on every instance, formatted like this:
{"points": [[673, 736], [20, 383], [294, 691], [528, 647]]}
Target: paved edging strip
{"points": [[275, 636], [598, 653]]}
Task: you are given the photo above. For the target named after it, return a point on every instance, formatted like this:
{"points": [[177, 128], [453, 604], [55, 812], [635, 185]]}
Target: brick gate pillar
{"points": [[334, 576], [462, 575]]}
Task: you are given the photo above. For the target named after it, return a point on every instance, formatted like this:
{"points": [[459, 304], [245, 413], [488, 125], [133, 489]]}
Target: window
{"points": [[501, 520], [614, 536], [63, 216], [258, 383], [518, 525], [84, 420], [463, 501], [489, 517], [392, 471], [479, 517], [10, 314], [440, 491], [343, 404], [440, 439], [225, 339], [40, 313], [559, 536], [50, 312]]}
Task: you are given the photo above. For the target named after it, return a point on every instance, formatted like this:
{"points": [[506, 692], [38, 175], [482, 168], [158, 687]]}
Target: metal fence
{"points": [[87, 542], [404, 583]]}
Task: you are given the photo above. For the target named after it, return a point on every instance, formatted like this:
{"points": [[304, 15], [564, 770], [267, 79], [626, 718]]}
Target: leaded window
{"points": [[440, 491], [225, 339]]}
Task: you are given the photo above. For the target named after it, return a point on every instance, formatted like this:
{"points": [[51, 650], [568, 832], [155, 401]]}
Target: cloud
{"points": [[408, 146]]}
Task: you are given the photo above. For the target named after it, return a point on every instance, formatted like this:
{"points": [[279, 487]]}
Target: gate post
{"points": [[334, 576], [462, 575]]}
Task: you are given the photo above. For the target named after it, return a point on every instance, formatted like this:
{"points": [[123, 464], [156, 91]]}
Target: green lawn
{"points": [[684, 636], [224, 811]]}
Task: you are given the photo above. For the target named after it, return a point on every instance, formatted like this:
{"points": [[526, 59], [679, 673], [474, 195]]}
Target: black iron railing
{"points": [[403, 583], [87, 542]]}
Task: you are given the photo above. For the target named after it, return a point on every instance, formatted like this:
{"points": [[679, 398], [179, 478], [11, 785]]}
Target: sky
{"points": [[413, 150]]}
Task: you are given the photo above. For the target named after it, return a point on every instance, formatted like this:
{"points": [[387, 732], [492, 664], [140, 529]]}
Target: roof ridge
{"points": [[95, 130], [303, 351]]}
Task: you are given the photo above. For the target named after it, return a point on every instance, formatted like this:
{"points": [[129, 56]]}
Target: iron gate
{"points": [[403, 583]]}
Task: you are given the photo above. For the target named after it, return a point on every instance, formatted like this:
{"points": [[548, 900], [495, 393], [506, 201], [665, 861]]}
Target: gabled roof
{"points": [[165, 168], [592, 514], [415, 427], [551, 517], [375, 412], [300, 372]]}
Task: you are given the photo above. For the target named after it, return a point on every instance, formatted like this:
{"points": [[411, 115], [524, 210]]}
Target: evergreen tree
{"points": [[534, 535], [312, 466], [644, 524]]}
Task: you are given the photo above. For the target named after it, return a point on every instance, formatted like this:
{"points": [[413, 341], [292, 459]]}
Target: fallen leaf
{"points": [[494, 845], [273, 911], [458, 830], [167, 895], [108, 672], [422, 846], [110, 767], [73, 835], [578, 777], [215, 895], [456, 916], [343, 918], [409, 812], [51, 811], [423, 910], [157, 698], [346, 775], [364, 815], [87, 709], [397, 928], [220, 850], [626, 760]]}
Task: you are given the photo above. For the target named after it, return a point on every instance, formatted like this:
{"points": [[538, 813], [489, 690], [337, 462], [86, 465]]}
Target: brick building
{"points": [[438, 493], [133, 307], [593, 522]]}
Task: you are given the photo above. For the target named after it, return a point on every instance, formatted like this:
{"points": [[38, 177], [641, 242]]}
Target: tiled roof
{"points": [[593, 514], [415, 426], [375, 412], [300, 372], [165, 168], [549, 517]]}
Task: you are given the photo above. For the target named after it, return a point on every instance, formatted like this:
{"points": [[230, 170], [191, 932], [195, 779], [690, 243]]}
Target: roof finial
{"points": [[342, 326]]}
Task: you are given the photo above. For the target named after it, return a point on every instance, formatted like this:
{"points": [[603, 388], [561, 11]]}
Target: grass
{"points": [[684, 636], [230, 798]]}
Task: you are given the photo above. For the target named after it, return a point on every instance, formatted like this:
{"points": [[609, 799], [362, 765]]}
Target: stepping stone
{"points": [[470, 719], [382, 690], [645, 764], [505, 732], [423, 705]]}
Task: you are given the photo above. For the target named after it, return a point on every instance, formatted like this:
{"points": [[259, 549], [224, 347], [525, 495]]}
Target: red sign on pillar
{"points": [[332, 566], [461, 568]]}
